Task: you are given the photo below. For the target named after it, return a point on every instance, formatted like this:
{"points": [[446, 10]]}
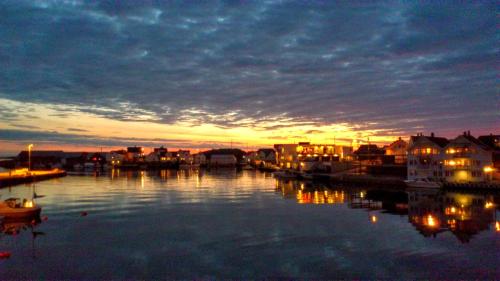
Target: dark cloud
{"points": [[24, 126], [48, 137], [77, 130], [314, 132], [392, 66]]}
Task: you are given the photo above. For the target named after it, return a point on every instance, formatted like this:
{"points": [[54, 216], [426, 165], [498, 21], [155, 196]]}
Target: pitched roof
{"points": [[493, 141], [477, 142], [266, 151], [442, 142]]}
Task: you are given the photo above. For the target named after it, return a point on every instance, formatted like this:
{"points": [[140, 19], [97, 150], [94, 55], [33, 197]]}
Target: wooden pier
{"points": [[23, 176]]}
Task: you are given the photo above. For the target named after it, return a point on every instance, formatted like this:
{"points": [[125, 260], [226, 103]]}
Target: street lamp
{"points": [[29, 156]]}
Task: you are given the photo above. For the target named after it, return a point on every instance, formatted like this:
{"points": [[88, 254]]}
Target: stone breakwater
{"points": [[20, 177]]}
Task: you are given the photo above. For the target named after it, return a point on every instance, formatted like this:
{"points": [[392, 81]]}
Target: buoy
{"points": [[84, 214], [33, 222], [4, 255]]}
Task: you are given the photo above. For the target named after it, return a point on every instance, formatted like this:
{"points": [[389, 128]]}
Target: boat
{"points": [[284, 174], [307, 176], [12, 208], [188, 166], [423, 183], [247, 167]]}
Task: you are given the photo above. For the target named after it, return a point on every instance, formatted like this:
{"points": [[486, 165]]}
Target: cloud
{"points": [[24, 126], [255, 63], [77, 130], [314, 132], [48, 137]]}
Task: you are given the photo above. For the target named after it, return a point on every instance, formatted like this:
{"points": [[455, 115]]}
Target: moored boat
{"points": [[12, 208], [423, 183]]}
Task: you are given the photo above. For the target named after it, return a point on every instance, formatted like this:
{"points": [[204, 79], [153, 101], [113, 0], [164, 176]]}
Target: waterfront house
{"points": [[493, 142], [467, 159], [134, 154], [264, 157], [371, 154], [398, 149], [116, 158], [159, 155], [426, 157], [184, 157], [305, 156]]}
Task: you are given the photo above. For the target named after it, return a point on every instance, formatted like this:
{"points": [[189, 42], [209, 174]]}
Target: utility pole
{"points": [[29, 156]]}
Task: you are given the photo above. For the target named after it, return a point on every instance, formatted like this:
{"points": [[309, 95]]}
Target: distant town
{"points": [[463, 159]]}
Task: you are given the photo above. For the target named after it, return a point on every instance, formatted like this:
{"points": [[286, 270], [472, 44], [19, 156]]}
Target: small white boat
{"points": [[423, 183]]}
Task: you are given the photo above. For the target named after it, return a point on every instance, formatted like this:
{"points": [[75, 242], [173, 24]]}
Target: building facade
{"points": [[305, 156], [399, 149], [426, 157], [466, 159]]}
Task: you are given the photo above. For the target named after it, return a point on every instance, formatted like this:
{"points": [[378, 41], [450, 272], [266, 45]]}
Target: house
{"points": [[158, 155], [399, 149], [267, 154], [116, 157], [426, 157], [184, 156], [223, 160], [264, 157], [493, 142], [467, 159], [371, 154], [134, 154], [305, 156]]}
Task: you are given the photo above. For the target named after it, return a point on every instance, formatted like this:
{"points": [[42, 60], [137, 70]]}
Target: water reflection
{"points": [[430, 211], [229, 224], [14, 228], [465, 215]]}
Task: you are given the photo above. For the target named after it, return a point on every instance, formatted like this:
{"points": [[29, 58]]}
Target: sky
{"points": [[86, 75]]}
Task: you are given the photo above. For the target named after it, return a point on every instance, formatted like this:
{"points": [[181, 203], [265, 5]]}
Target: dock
{"points": [[473, 186], [16, 177]]}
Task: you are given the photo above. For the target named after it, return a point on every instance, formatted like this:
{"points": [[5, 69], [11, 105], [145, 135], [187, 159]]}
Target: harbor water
{"points": [[229, 224]]}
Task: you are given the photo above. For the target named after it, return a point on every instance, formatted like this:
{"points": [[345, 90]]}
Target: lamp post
{"points": [[29, 156]]}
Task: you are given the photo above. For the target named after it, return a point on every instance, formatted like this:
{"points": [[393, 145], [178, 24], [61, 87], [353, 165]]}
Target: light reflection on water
{"points": [[229, 224]]}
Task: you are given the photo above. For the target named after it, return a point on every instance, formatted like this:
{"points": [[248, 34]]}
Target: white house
{"points": [[426, 157], [467, 159], [399, 149]]}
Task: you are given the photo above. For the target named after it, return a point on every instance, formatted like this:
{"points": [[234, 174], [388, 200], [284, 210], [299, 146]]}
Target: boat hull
{"points": [[414, 184], [21, 213]]}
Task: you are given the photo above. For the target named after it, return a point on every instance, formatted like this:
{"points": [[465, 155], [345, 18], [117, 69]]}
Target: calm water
{"points": [[247, 225]]}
